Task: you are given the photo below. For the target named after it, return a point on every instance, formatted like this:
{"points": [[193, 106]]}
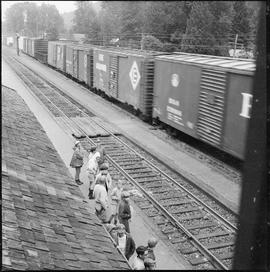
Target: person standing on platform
{"points": [[101, 200], [92, 169], [138, 262], [17, 43], [104, 172], [124, 241], [124, 210], [116, 198], [77, 161]]}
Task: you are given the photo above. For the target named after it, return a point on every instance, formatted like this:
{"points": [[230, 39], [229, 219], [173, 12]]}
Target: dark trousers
{"points": [[77, 173]]}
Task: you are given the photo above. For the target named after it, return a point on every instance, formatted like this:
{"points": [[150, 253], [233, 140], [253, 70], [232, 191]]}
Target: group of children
{"points": [[112, 206]]}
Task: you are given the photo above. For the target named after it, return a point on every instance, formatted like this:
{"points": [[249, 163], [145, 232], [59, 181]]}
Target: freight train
{"points": [[206, 97]]}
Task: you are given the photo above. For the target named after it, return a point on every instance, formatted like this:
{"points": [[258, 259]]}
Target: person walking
{"points": [[77, 161], [92, 169], [138, 262], [104, 172], [124, 241], [101, 200], [116, 198], [124, 210]]}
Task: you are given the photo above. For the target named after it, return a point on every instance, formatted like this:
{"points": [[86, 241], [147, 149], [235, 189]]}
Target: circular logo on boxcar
{"points": [[175, 80]]}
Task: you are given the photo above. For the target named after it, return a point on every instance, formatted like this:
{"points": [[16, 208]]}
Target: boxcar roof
{"points": [[129, 51], [202, 60]]}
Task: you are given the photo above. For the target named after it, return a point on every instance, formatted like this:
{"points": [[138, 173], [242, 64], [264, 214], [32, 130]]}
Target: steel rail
{"points": [[203, 249]]}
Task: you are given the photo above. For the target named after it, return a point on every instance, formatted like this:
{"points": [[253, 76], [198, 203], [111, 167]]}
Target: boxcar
{"points": [[57, 54], [207, 97], [126, 75]]}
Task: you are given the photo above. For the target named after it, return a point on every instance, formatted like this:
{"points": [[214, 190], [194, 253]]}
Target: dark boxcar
{"points": [[41, 50], [126, 75], [202, 95]]}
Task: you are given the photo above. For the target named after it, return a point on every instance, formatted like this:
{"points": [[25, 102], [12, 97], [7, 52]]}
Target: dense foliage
{"points": [[206, 27], [29, 19]]}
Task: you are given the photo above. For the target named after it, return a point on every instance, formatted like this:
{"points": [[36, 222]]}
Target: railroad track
{"points": [[203, 234]]}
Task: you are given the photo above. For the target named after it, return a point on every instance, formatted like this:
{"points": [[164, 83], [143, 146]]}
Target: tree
{"points": [[131, 19], [15, 18], [110, 20], [240, 22], [31, 12], [208, 27], [50, 20], [86, 21], [151, 43], [31, 20]]}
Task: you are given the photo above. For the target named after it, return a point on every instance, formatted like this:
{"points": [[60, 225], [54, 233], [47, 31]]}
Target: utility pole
{"points": [[235, 43]]}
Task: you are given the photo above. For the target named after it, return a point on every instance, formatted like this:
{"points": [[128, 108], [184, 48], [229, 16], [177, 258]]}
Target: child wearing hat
{"points": [[92, 168]]}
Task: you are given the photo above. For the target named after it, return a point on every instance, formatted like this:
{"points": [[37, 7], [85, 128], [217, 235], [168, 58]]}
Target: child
{"points": [[92, 169], [116, 197]]}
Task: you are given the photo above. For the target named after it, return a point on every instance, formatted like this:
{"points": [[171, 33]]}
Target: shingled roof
{"points": [[46, 222]]}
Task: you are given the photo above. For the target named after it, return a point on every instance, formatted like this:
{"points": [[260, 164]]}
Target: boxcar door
{"points": [[113, 81], [211, 106]]}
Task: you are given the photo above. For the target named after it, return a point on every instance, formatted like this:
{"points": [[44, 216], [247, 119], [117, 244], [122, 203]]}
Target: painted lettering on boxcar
{"points": [[246, 105]]}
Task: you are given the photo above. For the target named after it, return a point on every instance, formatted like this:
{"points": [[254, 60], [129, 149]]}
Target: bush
{"points": [[169, 47], [151, 43]]}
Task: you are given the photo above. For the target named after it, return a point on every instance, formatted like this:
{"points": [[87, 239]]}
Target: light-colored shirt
{"points": [[122, 243], [138, 264], [100, 195], [116, 195], [108, 179], [92, 163]]}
